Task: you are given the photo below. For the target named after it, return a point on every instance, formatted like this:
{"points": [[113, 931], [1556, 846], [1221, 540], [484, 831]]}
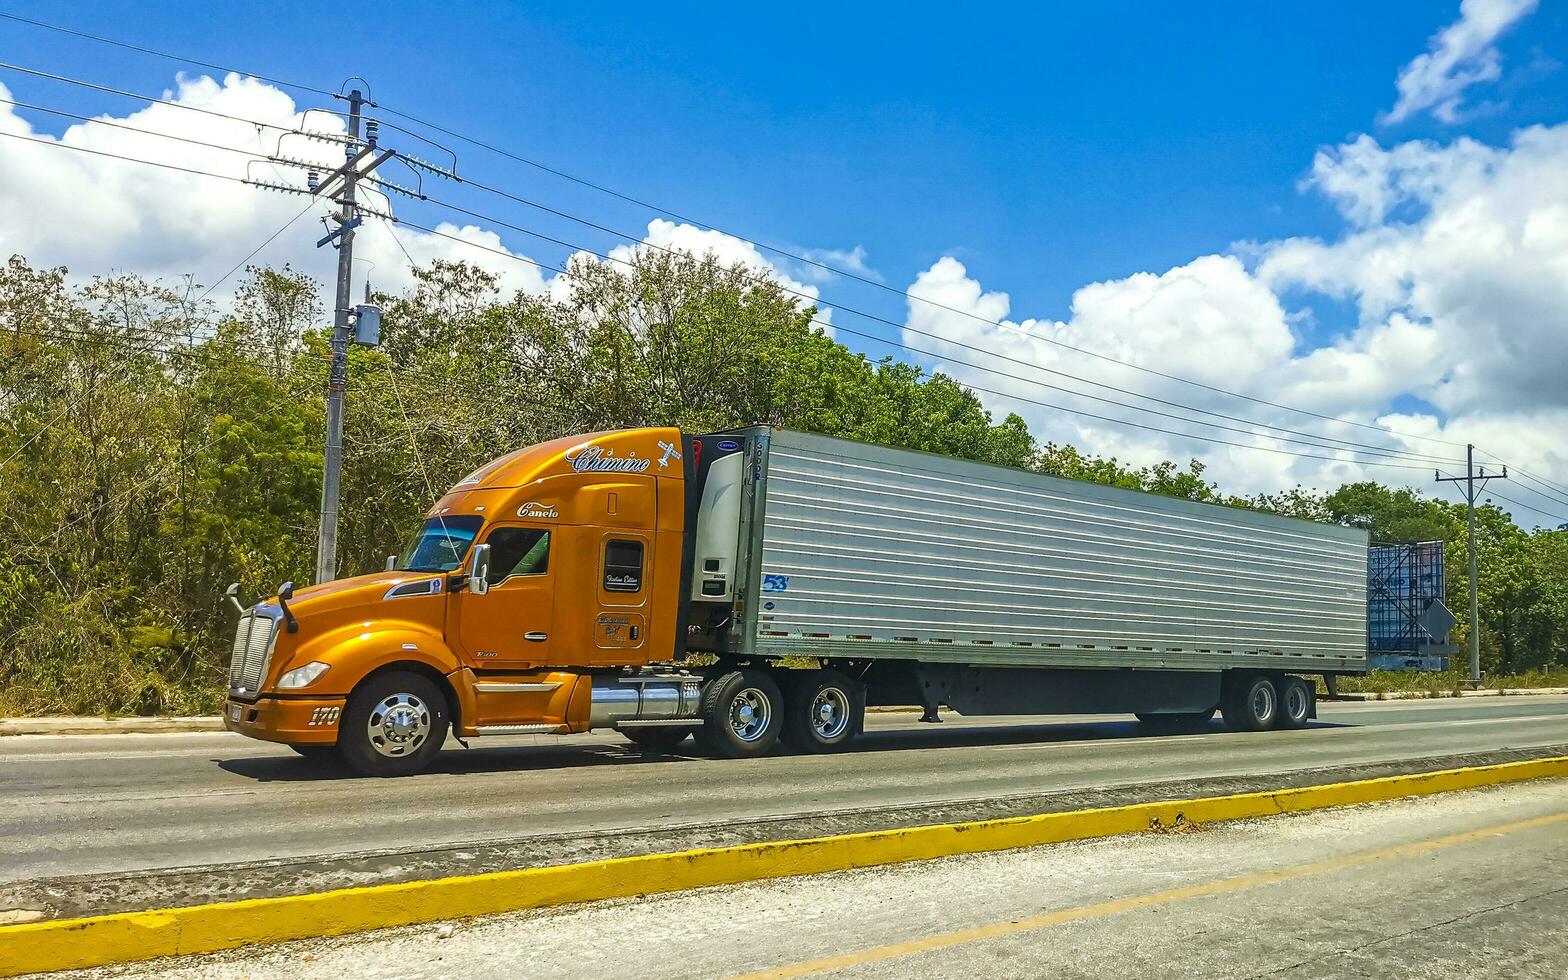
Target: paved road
{"points": [[1462, 885], [90, 805]]}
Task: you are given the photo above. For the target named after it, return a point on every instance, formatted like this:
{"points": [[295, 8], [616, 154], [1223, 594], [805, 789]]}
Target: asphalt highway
{"points": [[91, 805], [1459, 885]]}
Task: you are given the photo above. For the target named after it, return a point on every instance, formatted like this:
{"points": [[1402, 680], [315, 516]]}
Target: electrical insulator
{"points": [[312, 180], [372, 131]]}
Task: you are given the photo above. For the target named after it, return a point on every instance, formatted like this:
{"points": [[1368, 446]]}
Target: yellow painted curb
{"points": [[126, 937]]}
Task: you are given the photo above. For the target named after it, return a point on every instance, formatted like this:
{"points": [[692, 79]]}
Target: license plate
{"points": [[235, 712]]}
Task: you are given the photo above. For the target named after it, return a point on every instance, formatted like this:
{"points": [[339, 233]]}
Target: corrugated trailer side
{"points": [[858, 551]]}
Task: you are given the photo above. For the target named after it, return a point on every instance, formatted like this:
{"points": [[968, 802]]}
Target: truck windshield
{"points": [[440, 545]]}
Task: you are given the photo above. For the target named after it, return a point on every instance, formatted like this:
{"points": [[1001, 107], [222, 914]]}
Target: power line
{"points": [[824, 324], [872, 282], [1062, 408], [132, 129], [1382, 450], [159, 54], [893, 289], [157, 101], [1315, 440], [1539, 480], [1386, 452], [1544, 495], [1364, 448], [117, 156], [1560, 519], [1549, 484], [253, 252], [706, 226]]}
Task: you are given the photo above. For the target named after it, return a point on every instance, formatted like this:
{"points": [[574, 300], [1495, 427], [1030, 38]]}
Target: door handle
{"points": [[536, 637]]}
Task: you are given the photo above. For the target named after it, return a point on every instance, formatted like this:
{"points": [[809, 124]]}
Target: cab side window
{"points": [[518, 551], [622, 565]]}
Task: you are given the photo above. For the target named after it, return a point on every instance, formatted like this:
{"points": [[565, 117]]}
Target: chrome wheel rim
{"points": [[398, 725], [1263, 703], [1296, 704], [751, 714], [830, 713]]}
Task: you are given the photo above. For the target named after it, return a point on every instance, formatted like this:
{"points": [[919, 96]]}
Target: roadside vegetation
{"points": [[155, 446], [1448, 683]]}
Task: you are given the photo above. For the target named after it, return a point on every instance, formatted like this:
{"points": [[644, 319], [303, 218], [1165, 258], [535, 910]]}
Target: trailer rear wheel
{"points": [[1251, 705], [1295, 703], [825, 711], [743, 714]]}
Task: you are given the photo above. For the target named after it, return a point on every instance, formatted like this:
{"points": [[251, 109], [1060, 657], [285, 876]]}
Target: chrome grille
{"points": [[252, 650]]}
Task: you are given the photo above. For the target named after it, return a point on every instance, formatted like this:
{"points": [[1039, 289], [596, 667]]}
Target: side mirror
{"points": [[285, 593], [391, 563], [232, 593], [479, 570]]}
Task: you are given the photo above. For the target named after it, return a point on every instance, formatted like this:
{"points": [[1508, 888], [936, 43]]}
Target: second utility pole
{"points": [[337, 379], [1470, 479]]}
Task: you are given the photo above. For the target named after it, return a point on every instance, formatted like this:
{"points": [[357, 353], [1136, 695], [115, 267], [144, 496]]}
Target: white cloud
{"points": [[1209, 320], [1461, 55], [96, 214], [1455, 261], [852, 260], [729, 250], [1480, 270], [93, 213], [1367, 182]]}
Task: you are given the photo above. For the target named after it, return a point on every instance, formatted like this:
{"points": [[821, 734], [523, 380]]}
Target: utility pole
{"points": [[337, 379], [350, 324], [1474, 481]]}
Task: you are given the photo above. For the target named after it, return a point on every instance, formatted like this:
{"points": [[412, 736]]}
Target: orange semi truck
{"points": [[654, 583]]}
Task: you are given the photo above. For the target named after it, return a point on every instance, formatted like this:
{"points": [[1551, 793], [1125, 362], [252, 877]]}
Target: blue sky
{"points": [[1226, 172], [1046, 145]]}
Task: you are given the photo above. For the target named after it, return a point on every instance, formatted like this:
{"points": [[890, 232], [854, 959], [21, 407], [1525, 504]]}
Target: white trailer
{"points": [[990, 590]]}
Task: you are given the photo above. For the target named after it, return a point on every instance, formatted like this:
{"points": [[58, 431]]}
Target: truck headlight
{"points": [[303, 676]]}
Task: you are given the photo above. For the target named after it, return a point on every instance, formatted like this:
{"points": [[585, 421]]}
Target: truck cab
{"points": [[531, 600]]}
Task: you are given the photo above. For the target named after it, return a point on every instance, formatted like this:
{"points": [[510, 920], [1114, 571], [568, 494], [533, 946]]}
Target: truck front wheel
{"points": [[394, 724], [743, 714], [825, 712], [1252, 705]]}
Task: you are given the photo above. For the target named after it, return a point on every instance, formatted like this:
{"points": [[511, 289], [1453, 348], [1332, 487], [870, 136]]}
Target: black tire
{"points": [[317, 753], [743, 714], [1252, 705], [410, 717], [1178, 721], [1295, 704], [824, 710], [657, 738]]}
